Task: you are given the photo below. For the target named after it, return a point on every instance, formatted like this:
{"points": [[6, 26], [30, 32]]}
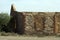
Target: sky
{"points": [[30, 5]]}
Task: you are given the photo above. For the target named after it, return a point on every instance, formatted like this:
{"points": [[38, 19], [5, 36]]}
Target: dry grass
{"points": [[13, 36], [28, 38]]}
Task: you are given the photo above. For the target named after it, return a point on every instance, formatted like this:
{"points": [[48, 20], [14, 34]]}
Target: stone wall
{"points": [[29, 23], [49, 23], [57, 22], [40, 22], [35, 22]]}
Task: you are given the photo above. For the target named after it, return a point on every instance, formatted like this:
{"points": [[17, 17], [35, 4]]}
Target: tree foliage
{"points": [[4, 19]]}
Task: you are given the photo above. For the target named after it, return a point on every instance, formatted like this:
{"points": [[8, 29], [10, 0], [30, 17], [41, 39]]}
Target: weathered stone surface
{"points": [[49, 24], [39, 22], [29, 24], [57, 22], [20, 19]]}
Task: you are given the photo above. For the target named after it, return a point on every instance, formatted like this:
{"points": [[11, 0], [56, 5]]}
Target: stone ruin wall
{"points": [[37, 22], [45, 22], [41, 22]]}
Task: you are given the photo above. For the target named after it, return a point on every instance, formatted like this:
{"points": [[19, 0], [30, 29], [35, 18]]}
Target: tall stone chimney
{"points": [[12, 10], [12, 20], [13, 7]]}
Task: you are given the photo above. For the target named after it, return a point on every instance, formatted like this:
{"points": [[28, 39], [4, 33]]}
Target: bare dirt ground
{"points": [[28, 38]]}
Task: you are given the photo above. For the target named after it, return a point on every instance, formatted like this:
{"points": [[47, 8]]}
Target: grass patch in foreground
{"points": [[26, 35], [8, 34]]}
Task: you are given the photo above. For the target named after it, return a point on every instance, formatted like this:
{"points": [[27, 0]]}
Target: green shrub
{"points": [[4, 20]]}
